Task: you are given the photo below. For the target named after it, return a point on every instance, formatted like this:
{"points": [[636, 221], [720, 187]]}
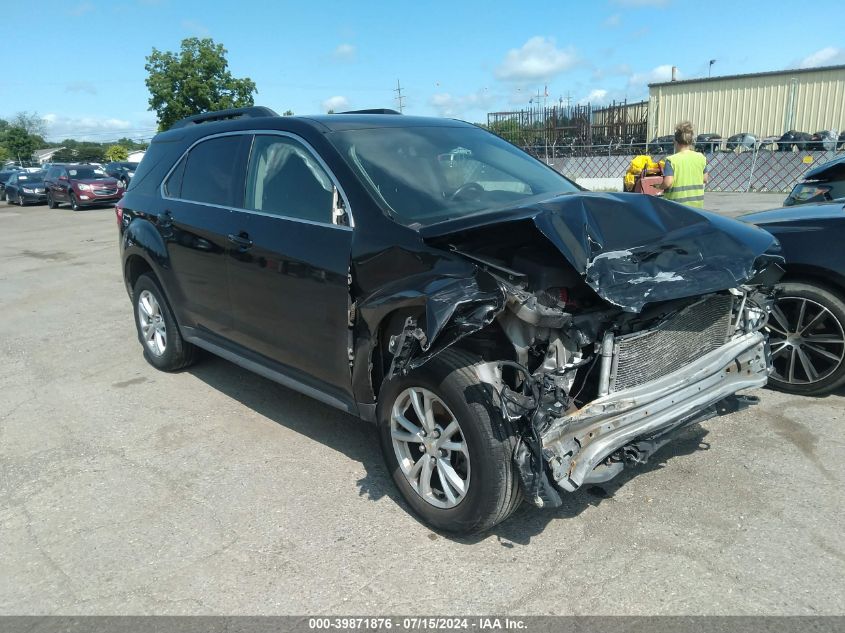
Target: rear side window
{"points": [[285, 179], [213, 171], [173, 184]]}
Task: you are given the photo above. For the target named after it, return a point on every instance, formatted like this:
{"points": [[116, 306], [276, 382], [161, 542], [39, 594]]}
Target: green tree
{"points": [[19, 143], [116, 153], [31, 122], [193, 81], [288, 113]]}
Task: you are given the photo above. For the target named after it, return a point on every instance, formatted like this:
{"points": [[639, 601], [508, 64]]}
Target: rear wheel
{"points": [[8, 198], [73, 203], [807, 338], [447, 446], [164, 347]]}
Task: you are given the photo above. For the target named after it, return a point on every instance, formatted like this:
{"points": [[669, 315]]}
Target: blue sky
{"points": [[83, 69]]}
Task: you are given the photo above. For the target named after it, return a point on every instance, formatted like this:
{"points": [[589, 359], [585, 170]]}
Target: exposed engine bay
{"points": [[589, 383]]}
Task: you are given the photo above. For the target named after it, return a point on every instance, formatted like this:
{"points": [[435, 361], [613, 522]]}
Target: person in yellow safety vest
{"points": [[685, 171]]}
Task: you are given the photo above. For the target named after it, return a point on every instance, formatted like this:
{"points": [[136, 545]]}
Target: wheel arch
{"points": [[816, 275]]}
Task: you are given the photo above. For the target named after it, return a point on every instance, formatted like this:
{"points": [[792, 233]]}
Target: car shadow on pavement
{"points": [[320, 422], [359, 441]]}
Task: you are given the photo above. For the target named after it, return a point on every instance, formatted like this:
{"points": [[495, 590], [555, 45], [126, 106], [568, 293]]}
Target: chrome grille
{"points": [[696, 330], [105, 192]]}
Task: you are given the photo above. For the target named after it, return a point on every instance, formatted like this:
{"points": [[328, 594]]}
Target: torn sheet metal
{"points": [[633, 249]]}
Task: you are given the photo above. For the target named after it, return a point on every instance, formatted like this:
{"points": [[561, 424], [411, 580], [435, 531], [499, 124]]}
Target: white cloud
{"points": [[596, 97], [195, 28], [449, 105], [335, 103], [828, 56], [94, 128], [539, 58], [660, 73], [613, 20], [345, 52]]}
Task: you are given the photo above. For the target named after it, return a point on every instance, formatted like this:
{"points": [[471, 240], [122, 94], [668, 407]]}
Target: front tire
{"points": [[50, 201], [73, 203], [158, 332], [807, 339], [447, 446]]}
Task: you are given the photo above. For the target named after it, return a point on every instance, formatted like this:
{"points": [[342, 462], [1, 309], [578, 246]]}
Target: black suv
{"points": [[511, 335]]}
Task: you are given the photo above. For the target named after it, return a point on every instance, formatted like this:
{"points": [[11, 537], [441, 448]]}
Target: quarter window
{"points": [[285, 179], [212, 172]]}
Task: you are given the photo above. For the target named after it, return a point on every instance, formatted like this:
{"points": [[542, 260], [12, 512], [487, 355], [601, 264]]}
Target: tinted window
{"points": [[428, 174], [285, 179], [85, 173], [212, 172], [173, 185]]}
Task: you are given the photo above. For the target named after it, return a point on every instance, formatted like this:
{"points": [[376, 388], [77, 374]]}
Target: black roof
{"points": [[202, 125]]}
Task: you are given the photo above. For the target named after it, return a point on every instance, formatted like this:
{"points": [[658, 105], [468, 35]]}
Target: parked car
{"points": [[708, 143], [81, 186], [121, 170], [24, 187], [662, 145], [820, 184], [5, 174], [802, 141], [824, 140], [807, 326], [510, 334], [742, 141]]}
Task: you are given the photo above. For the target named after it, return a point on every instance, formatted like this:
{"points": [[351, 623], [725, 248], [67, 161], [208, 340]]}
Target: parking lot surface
{"points": [[124, 490]]}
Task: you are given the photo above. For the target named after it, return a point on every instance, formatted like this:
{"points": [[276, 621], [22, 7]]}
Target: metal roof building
{"points": [[770, 103]]}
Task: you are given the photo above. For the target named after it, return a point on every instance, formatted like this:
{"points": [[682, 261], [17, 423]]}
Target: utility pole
{"points": [[399, 98], [710, 68]]}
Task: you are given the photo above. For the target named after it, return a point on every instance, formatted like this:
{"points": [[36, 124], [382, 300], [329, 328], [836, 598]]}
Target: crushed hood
{"points": [[633, 249]]}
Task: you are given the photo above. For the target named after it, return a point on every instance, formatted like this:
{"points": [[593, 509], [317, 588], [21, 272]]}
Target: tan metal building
{"points": [[806, 100]]}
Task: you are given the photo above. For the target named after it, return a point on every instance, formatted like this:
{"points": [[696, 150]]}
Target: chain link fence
{"points": [[758, 169]]}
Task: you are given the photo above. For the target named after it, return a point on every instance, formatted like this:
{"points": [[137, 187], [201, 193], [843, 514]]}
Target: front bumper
{"points": [[33, 197], [577, 447]]}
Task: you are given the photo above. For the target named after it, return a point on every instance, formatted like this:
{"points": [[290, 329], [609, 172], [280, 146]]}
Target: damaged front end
{"points": [[598, 351]]}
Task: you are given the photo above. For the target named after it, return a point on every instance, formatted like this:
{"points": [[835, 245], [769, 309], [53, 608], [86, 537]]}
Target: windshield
{"points": [[429, 174], [83, 173], [31, 177]]}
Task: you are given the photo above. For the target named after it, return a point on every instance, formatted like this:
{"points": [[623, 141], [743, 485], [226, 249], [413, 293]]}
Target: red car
{"points": [[81, 186]]}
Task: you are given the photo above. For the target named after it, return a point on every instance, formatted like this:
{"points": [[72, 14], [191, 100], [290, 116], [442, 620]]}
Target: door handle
{"points": [[242, 239]]}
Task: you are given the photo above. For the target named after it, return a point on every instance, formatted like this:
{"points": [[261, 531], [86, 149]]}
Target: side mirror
{"points": [[339, 215], [62, 177]]}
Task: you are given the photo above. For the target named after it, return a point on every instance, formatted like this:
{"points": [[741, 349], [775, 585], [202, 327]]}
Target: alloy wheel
{"points": [[807, 341], [430, 447], [151, 320]]}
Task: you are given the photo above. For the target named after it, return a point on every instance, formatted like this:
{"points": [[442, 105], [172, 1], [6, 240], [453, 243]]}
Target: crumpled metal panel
{"points": [[634, 249]]}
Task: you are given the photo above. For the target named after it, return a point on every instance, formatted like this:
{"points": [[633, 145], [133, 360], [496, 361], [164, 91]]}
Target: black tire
{"points": [[178, 353], [832, 326], [51, 202], [8, 198], [21, 200], [494, 490], [73, 203]]}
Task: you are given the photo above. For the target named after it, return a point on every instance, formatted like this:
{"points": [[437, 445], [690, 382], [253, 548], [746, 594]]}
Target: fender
{"points": [[142, 240]]}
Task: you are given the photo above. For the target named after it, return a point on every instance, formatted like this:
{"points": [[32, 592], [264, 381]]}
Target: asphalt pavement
{"points": [[124, 490]]}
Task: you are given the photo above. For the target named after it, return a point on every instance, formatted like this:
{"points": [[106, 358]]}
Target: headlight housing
{"points": [[28, 190], [120, 184], [83, 187]]}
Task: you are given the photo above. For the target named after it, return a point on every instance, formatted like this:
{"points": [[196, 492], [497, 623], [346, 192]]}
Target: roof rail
{"points": [[222, 115], [372, 111]]}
